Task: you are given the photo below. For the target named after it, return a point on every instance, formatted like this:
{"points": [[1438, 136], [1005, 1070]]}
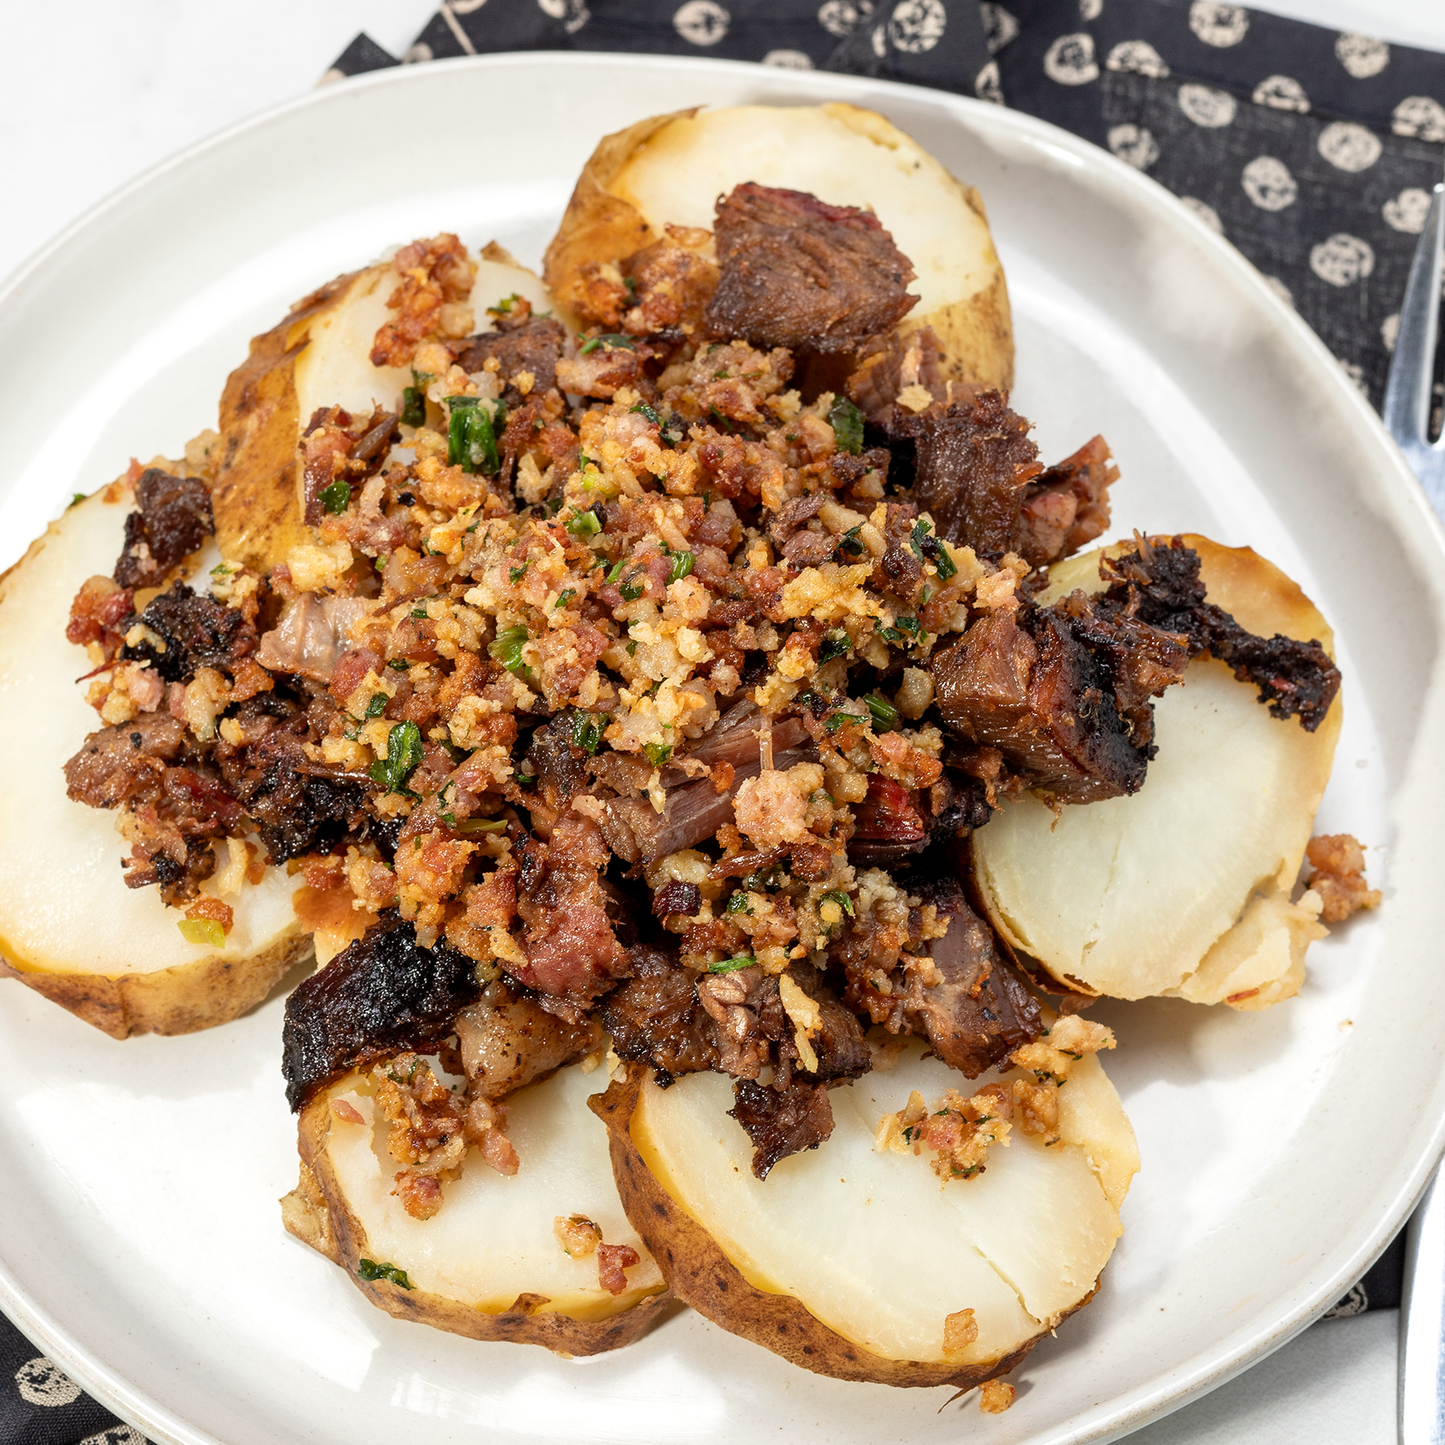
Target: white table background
{"points": [[94, 92]]}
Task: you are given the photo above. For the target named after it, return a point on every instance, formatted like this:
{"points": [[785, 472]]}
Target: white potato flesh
{"points": [[845, 156], [65, 907], [1183, 887], [872, 1243], [335, 368], [493, 1238]]}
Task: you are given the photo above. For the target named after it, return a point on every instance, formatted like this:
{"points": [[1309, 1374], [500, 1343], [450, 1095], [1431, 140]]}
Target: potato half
{"points": [[847, 1260], [320, 355], [1184, 888], [488, 1265], [69, 927], [670, 169]]}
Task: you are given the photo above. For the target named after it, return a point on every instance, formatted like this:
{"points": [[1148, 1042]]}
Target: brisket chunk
{"points": [[1158, 583], [380, 995], [781, 1122], [196, 631], [173, 520], [507, 1040], [800, 273], [125, 763], [1067, 506], [1061, 694]]}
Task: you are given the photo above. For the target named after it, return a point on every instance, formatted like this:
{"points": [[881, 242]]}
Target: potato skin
{"points": [[598, 226], [180, 1000], [701, 1275], [342, 1239], [258, 518]]}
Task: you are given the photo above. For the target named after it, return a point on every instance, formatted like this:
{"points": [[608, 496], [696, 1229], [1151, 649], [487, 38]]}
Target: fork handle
{"points": [[1422, 1323]]}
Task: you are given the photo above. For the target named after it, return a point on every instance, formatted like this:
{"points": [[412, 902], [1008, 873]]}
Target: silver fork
{"points": [[1408, 399]]}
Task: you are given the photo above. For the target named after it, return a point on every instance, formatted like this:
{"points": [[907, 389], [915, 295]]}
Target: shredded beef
{"points": [[781, 1122], [299, 805], [379, 995], [1067, 506], [173, 520], [971, 1007], [800, 273], [125, 763], [655, 1017], [535, 346], [196, 631]]}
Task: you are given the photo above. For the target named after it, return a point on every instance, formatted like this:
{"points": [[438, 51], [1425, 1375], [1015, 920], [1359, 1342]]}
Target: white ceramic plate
{"points": [[140, 1242]]}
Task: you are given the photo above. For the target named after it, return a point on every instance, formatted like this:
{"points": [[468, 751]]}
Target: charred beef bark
{"points": [[196, 632], [173, 520], [380, 995], [972, 1007], [559, 765], [532, 346], [781, 1122], [654, 1017], [800, 273], [1158, 583]]}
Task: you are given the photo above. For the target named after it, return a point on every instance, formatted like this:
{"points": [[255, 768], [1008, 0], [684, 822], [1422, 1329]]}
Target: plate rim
{"points": [[1174, 1388]]}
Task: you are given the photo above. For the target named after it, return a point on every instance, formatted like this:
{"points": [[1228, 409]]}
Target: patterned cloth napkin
{"points": [[1312, 151]]}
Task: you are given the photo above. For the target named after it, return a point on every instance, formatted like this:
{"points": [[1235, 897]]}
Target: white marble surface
{"points": [[93, 93]]}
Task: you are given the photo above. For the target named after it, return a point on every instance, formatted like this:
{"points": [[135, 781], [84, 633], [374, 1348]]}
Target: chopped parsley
{"points": [[849, 544], [335, 498], [403, 757], [370, 1269], [649, 411], [399, 664], [929, 548], [612, 340], [377, 705], [76, 500], [413, 406], [738, 903], [834, 644], [507, 647], [587, 730], [839, 718], [681, 566], [657, 753], [517, 573], [563, 598], [836, 895], [847, 423], [632, 589]]}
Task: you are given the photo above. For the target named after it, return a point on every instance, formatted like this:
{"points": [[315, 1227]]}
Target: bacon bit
{"points": [[960, 1131], [256, 868], [499, 1154], [323, 873], [420, 1194], [996, 1396], [1338, 861], [612, 1259], [98, 609], [960, 1330], [722, 776], [214, 910], [347, 1113], [251, 678], [578, 1235], [434, 273]]}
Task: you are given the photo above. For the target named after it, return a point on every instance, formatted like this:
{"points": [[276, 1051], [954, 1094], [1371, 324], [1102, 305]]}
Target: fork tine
{"points": [[1408, 391]]}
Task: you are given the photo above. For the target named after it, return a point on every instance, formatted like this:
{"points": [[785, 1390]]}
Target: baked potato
{"points": [[69, 927], [491, 1264], [1183, 889], [850, 1259], [669, 170]]}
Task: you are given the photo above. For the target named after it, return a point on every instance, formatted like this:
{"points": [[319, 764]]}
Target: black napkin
{"points": [[1312, 151]]}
